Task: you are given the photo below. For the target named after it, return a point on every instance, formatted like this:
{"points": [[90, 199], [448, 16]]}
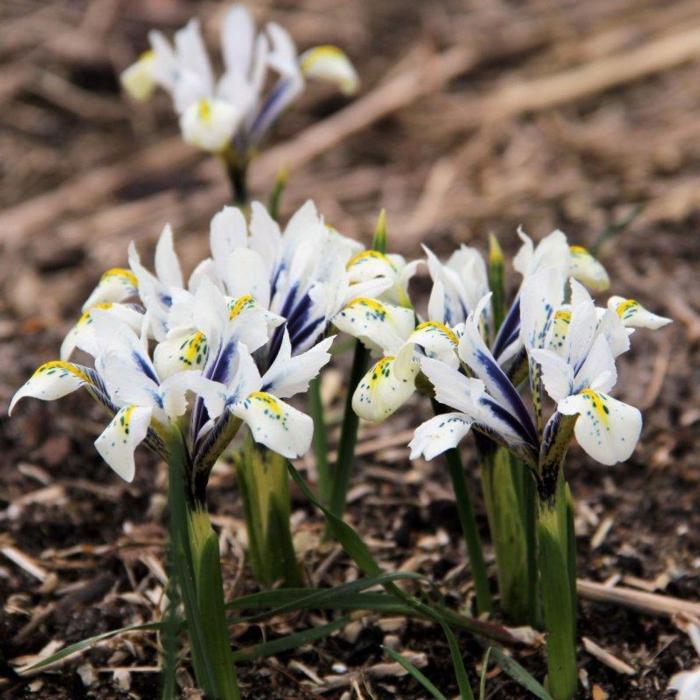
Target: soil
{"points": [[449, 167]]}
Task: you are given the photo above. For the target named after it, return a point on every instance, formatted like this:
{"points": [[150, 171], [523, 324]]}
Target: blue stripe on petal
{"points": [[510, 394], [509, 329]]}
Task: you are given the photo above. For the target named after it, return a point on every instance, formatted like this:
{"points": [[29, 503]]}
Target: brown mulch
{"points": [[474, 117]]}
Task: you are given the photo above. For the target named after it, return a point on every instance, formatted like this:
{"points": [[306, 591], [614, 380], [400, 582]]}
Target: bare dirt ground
{"points": [[474, 117]]}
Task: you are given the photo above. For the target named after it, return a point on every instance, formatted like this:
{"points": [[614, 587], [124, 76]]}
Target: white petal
{"points": [[598, 370], [614, 331], [331, 64], [265, 236], [283, 56], [248, 275], [542, 293], [181, 350], [452, 388], [52, 380], [582, 325], [387, 386], [439, 434], [227, 233], [379, 326], [607, 429], [115, 285], [557, 374], [121, 437], [138, 79], [166, 262], [82, 333], [276, 424], [585, 268], [192, 54], [634, 315], [209, 124], [551, 251], [237, 38], [438, 341], [289, 375]]}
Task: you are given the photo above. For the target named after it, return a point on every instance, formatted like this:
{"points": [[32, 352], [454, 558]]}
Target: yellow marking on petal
{"points": [[193, 350], [126, 276], [627, 308], [270, 402], [440, 328], [125, 419], [364, 255], [59, 366], [560, 327], [381, 370], [372, 304], [237, 306], [579, 250], [598, 405], [204, 110], [86, 316]]}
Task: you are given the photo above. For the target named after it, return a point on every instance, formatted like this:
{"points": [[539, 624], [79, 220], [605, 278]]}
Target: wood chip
{"points": [[605, 657]]}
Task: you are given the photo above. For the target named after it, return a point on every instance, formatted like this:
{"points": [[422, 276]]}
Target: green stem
{"points": [[237, 171], [467, 520], [198, 572], [529, 510], [320, 440], [348, 435]]}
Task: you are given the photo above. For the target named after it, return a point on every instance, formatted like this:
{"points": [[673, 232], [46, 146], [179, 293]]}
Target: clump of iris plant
{"points": [[496, 371]]}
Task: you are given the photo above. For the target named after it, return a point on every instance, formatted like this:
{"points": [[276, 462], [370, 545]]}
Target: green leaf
{"points": [[519, 674], [306, 599], [416, 673], [465, 690], [291, 641], [85, 644]]}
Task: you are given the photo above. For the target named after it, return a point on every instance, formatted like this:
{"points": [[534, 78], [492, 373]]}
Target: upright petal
{"points": [[289, 375], [192, 54], [276, 424], [439, 434], [166, 261], [474, 352], [238, 38], [52, 380], [607, 429], [387, 386], [551, 251], [542, 293], [227, 233], [329, 63], [121, 437], [634, 315]]}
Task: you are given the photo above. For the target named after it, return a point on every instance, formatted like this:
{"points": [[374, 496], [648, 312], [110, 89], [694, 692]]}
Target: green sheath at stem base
{"points": [[558, 593], [264, 485], [195, 555]]}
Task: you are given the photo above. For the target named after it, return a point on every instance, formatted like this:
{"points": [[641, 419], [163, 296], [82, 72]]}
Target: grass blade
{"points": [[465, 690], [290, 641], [484, 669], [415, 672], [519, 674], [85, 644]]}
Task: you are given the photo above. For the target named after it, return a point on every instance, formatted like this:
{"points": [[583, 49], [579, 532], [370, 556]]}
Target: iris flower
{"points": [[238, 108]]}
